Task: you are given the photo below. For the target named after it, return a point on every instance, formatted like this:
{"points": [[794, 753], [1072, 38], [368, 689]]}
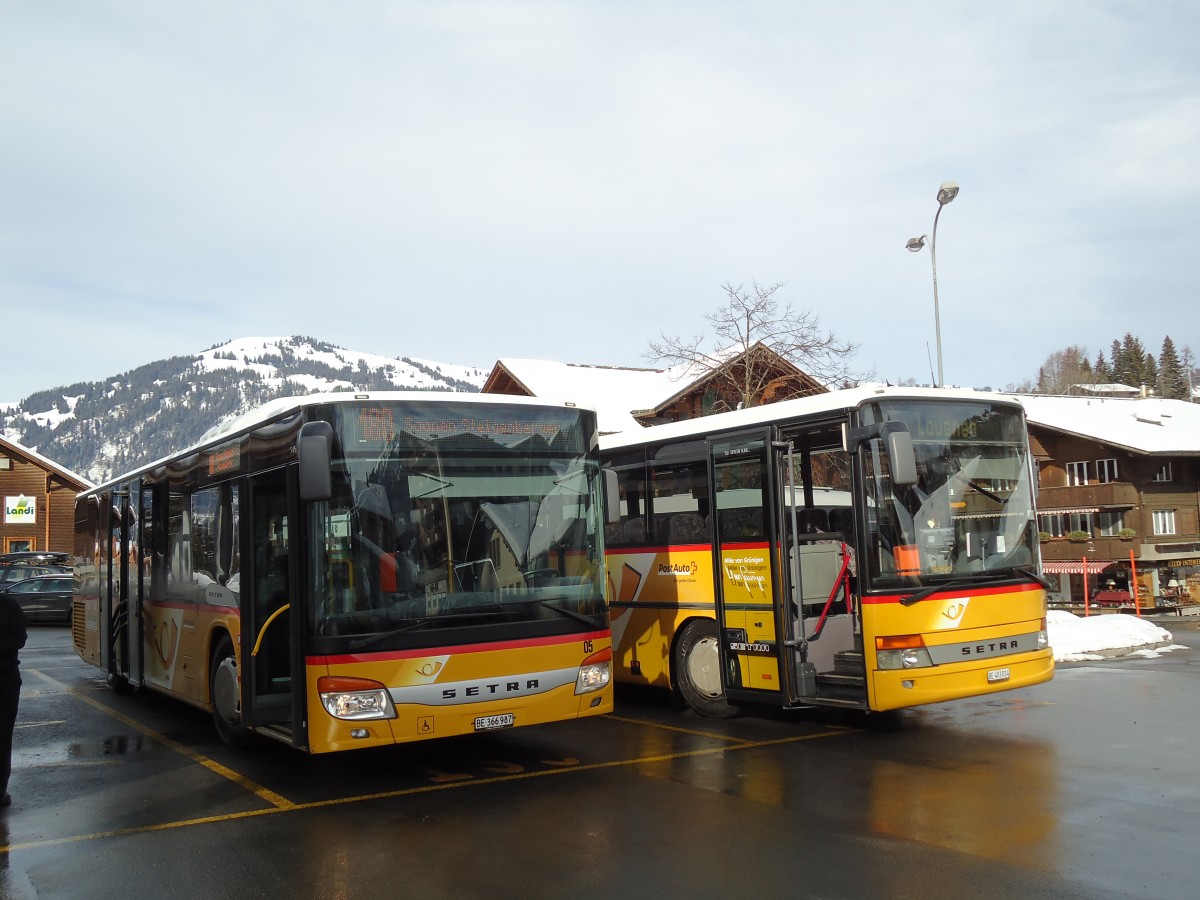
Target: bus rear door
{"points": [[745, 560]]}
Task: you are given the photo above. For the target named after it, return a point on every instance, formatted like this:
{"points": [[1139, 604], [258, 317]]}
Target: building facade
{"points": [[39, 500], [1119, 498]]}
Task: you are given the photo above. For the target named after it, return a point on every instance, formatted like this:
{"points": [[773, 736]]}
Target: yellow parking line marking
{"points": [[423, 789], [662, 727], [264, 794]]}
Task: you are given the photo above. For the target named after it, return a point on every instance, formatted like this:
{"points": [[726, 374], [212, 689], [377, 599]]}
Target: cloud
{"points": [[464, 181]]}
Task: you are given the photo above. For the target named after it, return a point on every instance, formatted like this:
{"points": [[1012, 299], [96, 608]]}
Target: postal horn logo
{"points": [[955, 609]]}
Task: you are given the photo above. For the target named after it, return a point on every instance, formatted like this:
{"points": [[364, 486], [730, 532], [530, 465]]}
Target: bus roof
{"points": [[802, 407], [282, 407]]}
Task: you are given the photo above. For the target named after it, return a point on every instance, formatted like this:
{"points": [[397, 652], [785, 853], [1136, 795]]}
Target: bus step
{"points": [[811, 702], [840, 679], [849, 662], [281, 733]]}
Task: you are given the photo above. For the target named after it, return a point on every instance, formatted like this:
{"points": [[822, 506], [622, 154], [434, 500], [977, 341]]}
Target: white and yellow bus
{"points": [[873, 548], [353, 570]]}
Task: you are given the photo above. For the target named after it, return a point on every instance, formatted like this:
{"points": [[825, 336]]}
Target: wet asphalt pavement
{"points": [[1085, 787]]}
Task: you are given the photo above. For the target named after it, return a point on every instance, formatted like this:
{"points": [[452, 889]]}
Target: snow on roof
{"points": [[1113, 390], [44, 461], [613, 391], [1148, 425]]}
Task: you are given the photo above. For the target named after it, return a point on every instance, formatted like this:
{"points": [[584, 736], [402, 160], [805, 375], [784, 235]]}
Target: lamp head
{"points": [[947, 192], [915, 244]]}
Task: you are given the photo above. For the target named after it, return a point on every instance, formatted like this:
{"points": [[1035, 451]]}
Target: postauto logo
{"points": [[20, 510]]}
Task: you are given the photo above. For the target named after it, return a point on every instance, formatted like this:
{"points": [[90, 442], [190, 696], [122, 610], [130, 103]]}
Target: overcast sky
{"points": [[567, 180]]}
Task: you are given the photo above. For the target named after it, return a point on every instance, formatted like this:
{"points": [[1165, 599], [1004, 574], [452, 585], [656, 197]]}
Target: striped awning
{"points": [[1068, 510], [1074, 567]]}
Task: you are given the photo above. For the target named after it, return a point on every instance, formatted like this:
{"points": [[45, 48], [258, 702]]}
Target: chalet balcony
{"points": [[1082, 497], [1099, 550]]}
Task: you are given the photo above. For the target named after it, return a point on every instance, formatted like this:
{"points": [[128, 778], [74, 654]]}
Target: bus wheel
{"points": [[696, 668], [225, 694]]}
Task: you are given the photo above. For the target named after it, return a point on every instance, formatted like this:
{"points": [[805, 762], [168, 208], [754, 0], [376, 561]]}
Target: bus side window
{"points": [[679, 502], [630, 530], [613, 534]]}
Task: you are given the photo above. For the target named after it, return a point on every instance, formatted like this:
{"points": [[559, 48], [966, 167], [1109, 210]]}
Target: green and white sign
{"points": [[20, 510]]}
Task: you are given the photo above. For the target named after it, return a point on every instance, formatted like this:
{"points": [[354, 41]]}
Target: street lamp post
{"points": [[947, 192]]}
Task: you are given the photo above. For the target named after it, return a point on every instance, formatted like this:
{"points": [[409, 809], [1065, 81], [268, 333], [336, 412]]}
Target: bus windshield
{"points": [[972, 508], [464, 515]]}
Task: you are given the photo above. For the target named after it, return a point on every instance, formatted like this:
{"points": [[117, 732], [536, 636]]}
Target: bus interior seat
{"points": [[841, 521], [812, 520], [686, 528], [634, 530], [614, 533]]}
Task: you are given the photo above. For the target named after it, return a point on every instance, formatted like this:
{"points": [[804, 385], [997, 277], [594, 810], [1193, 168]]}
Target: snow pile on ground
{"points": [[1076, 638]]}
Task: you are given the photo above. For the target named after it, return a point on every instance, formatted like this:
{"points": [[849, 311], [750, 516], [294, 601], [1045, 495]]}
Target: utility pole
{"points": [[1187, 364]]}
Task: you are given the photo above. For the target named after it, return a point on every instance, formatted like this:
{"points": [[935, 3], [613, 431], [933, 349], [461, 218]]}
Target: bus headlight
{"points": [[595, 673], [904, 651], [1043, 637], [355, 698]]}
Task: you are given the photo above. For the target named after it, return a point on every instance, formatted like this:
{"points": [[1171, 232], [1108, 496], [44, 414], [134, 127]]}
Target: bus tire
{"points": [[696, 670], [225, 696]]}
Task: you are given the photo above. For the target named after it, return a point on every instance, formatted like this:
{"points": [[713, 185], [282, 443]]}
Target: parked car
{"points": [[9, 574], [43, 598], [35, 557]]}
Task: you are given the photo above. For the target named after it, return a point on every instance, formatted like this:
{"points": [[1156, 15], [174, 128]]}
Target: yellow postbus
{"points": [[352, 570], [872, 548]]}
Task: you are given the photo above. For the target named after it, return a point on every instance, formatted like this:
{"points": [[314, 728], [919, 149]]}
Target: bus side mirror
{"points": [[612, 497], [902, 458], [314, 451]]}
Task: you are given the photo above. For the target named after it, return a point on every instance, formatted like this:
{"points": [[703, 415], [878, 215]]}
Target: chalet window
{"points": [[1077, 473], [1164, 521], [1111, 523], [1164, 473], [1062, 524], [1106, 471], [1052, 524]]}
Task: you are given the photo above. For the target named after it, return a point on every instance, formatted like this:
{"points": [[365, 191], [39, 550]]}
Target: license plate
{"points": [[999, 675], [490, 723]]}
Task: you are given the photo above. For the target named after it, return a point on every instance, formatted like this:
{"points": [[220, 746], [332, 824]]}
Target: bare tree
{"points": [[1064, 369], [751, 333]]}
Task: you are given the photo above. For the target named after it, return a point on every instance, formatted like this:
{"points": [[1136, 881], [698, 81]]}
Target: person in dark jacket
{"points": [[12, 639]]}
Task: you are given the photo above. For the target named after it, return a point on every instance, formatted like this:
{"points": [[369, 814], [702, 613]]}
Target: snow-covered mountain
{"points": [[100, 429]]}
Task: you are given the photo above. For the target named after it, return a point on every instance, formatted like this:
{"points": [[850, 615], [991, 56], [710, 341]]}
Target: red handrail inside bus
{"points": [[841, 583]]}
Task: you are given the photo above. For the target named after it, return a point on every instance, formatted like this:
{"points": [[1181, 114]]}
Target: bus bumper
{"points": [[913, 687]]}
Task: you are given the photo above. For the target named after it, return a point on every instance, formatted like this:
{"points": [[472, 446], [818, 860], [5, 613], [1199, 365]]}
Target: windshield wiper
{"points": [[976, 577], [547, 602], [418, 623], [981, 489], [382, 636], [943, 586], [1035, 576]]}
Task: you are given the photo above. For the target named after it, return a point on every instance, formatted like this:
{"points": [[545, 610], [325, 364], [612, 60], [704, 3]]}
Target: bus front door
{"points": [[820, 644], [268, 644]]}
